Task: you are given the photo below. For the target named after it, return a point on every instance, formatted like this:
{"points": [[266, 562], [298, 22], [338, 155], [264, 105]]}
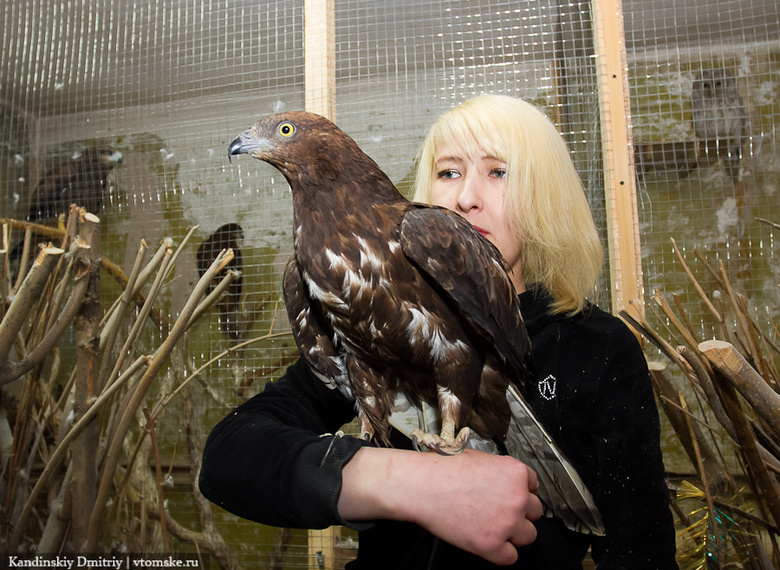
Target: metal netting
{"points": [[169, 84]]}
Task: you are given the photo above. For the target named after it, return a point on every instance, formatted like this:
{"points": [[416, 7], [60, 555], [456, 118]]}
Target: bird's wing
{"points": [[561, 489], [471, 271], [310, 330], [51, 193]]}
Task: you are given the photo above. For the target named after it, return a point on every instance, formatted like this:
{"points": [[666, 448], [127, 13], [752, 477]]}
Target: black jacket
{"points": [[592, 392]]}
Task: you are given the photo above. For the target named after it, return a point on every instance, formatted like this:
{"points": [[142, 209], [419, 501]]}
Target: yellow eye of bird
{"points": [[286, 129]]}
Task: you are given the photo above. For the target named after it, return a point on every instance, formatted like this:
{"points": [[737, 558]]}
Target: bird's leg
{"points": [[447, 443], [371, 401]]}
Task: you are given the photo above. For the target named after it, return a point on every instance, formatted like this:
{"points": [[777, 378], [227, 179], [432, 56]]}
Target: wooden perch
{"points": [[86, 327], [729, 362], [10, 371], [765, 482], [699, 453], [63, 447], [115, 446], [27, 295]]}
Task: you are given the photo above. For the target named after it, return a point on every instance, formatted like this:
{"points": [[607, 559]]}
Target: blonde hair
{"points": [[545, 201]]}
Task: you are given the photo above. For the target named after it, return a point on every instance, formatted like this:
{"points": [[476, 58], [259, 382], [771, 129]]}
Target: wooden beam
{"points": [[319, 79], [319, 57], [625, 261], [322, 548]]}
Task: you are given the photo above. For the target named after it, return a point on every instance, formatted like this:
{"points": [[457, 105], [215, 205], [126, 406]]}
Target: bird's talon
{"points": [[335, 437], [444, 452], [440, 445]]}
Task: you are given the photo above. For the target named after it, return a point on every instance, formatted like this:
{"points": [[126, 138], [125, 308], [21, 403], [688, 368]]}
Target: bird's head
{"points": [[296, 142], [98, 160], [231, 231], [103, 155], [110, 156]]}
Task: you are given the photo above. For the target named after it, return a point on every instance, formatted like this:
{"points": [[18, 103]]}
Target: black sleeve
{"points": [[264, 461], [633, 498]]}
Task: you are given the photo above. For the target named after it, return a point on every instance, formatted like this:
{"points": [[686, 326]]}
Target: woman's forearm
{"points": [[481, 503]]}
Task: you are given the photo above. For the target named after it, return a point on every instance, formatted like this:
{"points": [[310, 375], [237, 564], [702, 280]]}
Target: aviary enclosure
{"points": [[670, 109]]}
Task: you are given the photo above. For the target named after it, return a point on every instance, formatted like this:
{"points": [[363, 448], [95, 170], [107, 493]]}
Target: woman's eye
{"points": [[448, 174], [498, 172]]}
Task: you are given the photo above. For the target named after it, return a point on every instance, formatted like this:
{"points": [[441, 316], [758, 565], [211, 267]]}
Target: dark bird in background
{"points": [[719, 117], [229, 305], [80, 180], [389, 297]]}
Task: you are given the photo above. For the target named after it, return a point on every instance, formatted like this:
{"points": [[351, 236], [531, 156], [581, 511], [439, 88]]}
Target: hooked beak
{"points": [[246, 143]]}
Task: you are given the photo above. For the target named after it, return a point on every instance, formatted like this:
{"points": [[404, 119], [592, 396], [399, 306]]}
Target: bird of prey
{"points": [[226, 236], [80, 180], [389, 297], [719, 117]]}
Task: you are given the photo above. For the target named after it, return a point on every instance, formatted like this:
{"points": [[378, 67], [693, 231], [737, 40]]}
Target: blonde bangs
{"points": [[545, 201]]}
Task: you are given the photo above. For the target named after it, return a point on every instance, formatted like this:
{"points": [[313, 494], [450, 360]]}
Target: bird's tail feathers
{"points": [[561, 489]]}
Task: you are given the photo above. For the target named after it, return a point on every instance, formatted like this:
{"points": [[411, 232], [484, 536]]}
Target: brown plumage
{"points": [[386, 296], [81, 180], [229, 305]]}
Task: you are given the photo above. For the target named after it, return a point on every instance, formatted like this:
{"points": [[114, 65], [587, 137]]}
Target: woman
{"points": [[500, 163]]}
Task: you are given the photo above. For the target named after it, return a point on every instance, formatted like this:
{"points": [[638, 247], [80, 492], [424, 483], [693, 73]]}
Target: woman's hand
{"points": [[481, 503]]}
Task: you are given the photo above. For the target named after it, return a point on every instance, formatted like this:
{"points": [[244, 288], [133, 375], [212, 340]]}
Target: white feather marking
{"points": [[449, 403], [325, 297], [385, 284], [335, 260], [423, 325], [368, 257], [355, 278]]}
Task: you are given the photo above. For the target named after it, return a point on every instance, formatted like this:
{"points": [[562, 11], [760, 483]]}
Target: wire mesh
{"points": [[704, 108], [169, 84]]}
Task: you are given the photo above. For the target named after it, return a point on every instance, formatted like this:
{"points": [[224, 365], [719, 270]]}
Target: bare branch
{"points": [[27, 295], [115, 447]]}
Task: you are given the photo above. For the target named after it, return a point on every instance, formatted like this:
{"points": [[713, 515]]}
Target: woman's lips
{"points": [[480, 230]]}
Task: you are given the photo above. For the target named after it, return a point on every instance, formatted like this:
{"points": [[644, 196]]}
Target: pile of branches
{"points": [[76, 469], [728, 425]]}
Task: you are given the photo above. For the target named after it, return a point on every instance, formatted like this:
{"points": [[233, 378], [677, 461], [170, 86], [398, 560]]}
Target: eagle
{"points": [[224, 237], [390, 298], [82, 179]]}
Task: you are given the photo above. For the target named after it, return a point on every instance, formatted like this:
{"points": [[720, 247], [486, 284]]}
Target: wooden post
{"points": [[319, 69], [319, 57], [625, 261]]}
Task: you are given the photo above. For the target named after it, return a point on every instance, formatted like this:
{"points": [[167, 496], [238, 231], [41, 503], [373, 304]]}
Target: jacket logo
{"points": [[547, 387]]}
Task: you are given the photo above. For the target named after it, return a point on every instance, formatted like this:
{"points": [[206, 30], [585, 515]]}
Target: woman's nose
{"points": [[470, 194]]}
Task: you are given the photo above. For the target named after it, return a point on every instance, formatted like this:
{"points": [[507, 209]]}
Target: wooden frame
{"points": [[319, 68], [617, 147], [319, 57], [625, 261]]}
